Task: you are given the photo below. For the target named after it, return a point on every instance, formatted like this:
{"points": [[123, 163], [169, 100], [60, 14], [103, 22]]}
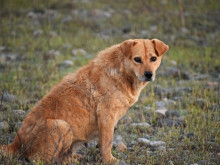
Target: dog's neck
{"points": [[129, 83], [113, 64]]}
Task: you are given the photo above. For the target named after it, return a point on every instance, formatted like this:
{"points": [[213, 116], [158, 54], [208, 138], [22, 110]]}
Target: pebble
{"points": [[121, 162], [161, 111], [19, 114], [143, 140], [170, 162], [172, 113], [121, 147], [4, 126], [161, 148], [153, 144], [101, 14], [66, 64], [171, 123], [165, 103], [145, 125], [67, 19], [53, 52], [37, 33], [118, 138], [171, 92], [175, 72], [9, 97], [201, 77], [79, 52]]}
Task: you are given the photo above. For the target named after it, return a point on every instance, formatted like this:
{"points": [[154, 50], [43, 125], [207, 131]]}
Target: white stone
{"points": [[143, 140], [161, 111], [141, 125]]}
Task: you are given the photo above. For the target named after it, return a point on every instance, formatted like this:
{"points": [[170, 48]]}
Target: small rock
{"points": [[9, 97], [143, 140], [53, 53], [161, 111], [171, 92], [79, 52], [148, 108], [146, 136], [189, 135], [157, 143], [2, 48], [92, 143], [67, 19], [121, 162], [37, 33], [8, 57], [19, 114], [101, 14], [161, 148], [144, 33], [201, 77], [162, 92], [121, 147], [175, 72], [172, 114], [165, 103], [145, 125], [185, 30], [202, 162], [151, 143], [32, 15], [4, 126], [66, 46], [52, 33], [171, 123], [170, 162], [153, 28], [173, 62], [66, 64], [118, 138], [212, 85]]}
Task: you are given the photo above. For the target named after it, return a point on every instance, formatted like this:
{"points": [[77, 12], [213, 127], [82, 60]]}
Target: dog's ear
{"points": [[160, 47], [126, 47]]}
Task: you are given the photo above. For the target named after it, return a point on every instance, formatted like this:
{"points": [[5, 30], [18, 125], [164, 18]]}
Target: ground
{"points": [[177, 117]]}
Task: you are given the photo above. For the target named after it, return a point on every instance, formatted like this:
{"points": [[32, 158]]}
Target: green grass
{"points": [[35, 70]]}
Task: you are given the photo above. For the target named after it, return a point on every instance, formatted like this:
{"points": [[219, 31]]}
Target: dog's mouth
{"points": [[145, 79]]}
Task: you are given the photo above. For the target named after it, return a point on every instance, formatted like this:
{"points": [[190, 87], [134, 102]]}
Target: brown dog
{"points": [[88, 103]]}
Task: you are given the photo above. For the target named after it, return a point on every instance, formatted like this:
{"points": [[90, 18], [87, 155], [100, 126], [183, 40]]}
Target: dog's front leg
{"points": [[106, 124]]}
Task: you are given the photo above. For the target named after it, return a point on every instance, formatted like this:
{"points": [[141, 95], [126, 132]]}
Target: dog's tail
{"points": [[11, 149]]}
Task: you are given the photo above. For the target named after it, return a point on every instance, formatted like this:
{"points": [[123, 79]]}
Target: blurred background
{"points": [[43, 40]]}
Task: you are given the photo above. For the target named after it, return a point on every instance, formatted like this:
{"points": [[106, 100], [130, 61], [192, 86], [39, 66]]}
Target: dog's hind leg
{"points": [[51, 141]]}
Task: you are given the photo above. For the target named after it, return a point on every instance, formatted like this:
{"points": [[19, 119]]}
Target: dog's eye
{"points": [[153, 59], [137, 59]]}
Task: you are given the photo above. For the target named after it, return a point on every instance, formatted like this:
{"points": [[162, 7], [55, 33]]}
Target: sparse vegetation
{"points": [[41, 41]]}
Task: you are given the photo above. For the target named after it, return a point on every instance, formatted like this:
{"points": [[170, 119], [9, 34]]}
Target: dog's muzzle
{"points": [[148, 76]]}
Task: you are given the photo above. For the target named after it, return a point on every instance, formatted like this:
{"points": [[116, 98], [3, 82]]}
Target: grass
{"points": [[35, 69]]}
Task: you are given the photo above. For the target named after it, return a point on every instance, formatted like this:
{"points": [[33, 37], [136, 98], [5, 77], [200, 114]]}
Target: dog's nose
{"points": [[148, 74]]}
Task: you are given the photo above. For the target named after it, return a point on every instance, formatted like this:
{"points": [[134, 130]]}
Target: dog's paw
{"points": [[119, 162]]}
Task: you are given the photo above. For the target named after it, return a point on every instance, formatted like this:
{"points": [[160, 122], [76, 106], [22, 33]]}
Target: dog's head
{"points": [[143, 57]]}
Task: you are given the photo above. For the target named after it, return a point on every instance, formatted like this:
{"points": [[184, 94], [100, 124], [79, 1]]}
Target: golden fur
{"points": [[87, 104]]}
